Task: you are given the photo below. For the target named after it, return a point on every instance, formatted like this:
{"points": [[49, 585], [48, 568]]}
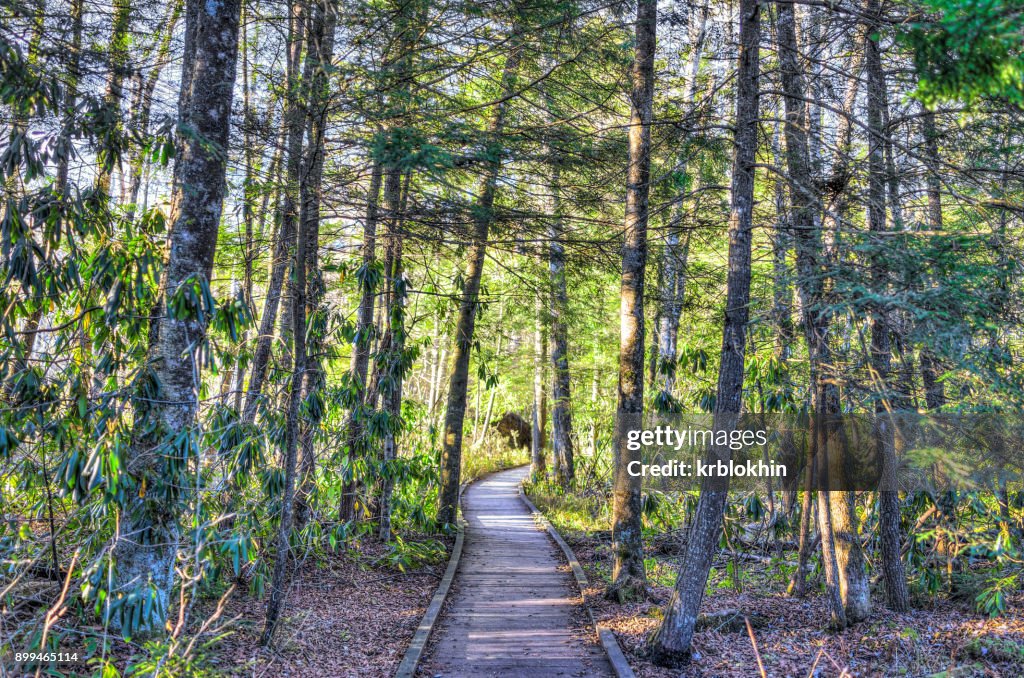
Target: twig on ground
{"points": [[753, 642]]}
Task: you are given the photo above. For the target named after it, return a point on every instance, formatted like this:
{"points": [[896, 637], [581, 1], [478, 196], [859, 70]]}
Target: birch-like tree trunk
{"points": [[147, 541], [538, 464]]}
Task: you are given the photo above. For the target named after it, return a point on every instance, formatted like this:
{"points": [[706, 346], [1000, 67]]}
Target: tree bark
{"points": [[323, 21], [881, 349], [677, 247], [561, 415], [278, 584], [455, 413], [392, 367], [931, 366], [147, 540], [670, 644], [629, 580], [361, 344], [538, 464], [294, 126]]}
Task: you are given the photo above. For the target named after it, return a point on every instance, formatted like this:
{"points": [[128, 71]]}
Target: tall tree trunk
{"points": [[278, 583], [538, 464], [361, 343], [143, 110], [670, 644], [677, 244], [392, 367], [931, 367], [836, 525], [561, 415], [881, 350], [248, 198], [455, 414], [629, 580], [294, 126], [147, 539], [117, 55], [323, 21], [782, 316], [837, 202]]}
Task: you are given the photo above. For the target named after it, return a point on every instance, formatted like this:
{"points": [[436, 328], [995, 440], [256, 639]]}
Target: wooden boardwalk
{"points": [[512, 612]]}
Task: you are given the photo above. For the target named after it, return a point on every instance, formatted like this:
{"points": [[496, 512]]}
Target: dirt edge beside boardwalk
{"points": [[346, 618], [929, 640]]}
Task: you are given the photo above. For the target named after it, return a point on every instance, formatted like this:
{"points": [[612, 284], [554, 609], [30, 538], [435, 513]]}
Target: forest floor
{"points": [[351, 615], [939, 637]]}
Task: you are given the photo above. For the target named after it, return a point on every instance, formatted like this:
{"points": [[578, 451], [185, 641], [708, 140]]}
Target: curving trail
{"points": [[514, 612]]}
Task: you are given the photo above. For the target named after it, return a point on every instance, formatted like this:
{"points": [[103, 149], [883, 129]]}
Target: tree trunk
{"points": [[838, 529], [278, 583], [392, 364], [931, 367], [147, 540], [561, 415], [629, 580], [670, 644], [455, 413], [881, 350], [361, 343], [538, 465], [143, 111], [294, 126], [323, 21], [117, 55], [677, 247]]}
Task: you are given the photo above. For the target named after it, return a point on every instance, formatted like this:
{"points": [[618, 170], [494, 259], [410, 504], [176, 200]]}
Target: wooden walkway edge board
{"points": [[611, 647], [407, 669]]}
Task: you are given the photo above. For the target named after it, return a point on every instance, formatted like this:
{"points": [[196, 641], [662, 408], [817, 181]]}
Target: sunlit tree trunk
{"points": [[538, 464], [561, 414], [483, 215], [670, 644], [147, 540], [629, 579]]}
